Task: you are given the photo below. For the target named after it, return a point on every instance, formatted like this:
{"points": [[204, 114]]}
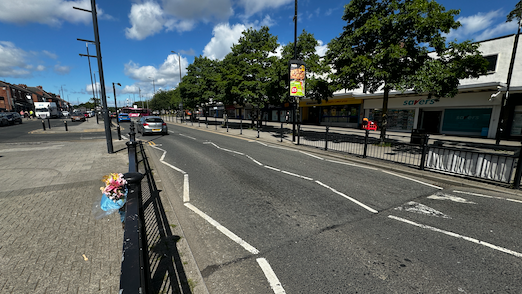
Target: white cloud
{"points": [[204, 10], [254, 6], [482, 26], [146, 20], [61, 69], [149, 77], [223, 38], [321, 49], [12, 61], [49, 54], [49, 12]]}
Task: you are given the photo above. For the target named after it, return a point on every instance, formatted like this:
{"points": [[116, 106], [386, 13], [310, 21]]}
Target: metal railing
{"points": [[477, 161], [134, 269]]}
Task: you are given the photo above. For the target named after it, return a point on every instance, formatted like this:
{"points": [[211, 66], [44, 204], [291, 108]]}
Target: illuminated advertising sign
{"points": [[297, 78]]}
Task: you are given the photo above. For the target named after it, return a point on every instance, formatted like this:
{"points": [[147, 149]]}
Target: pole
{"points": [[294, 106], [92, 84], [116, 110], [106, 119], [506, 96]]}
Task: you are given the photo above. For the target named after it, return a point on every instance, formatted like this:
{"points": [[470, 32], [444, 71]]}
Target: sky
{"points": [[39, 46]]}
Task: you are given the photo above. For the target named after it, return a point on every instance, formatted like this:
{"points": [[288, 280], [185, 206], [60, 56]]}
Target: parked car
{"points": [[152, 125], [65, 113], [78, 116], [17, 118], [123, 117], [3, 119]]}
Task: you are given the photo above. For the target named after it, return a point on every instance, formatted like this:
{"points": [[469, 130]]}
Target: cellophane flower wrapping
{"points": [[113, 198]]}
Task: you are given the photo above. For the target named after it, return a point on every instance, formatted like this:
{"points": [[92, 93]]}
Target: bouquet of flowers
{"points": [[114, 186], [113, 198]]}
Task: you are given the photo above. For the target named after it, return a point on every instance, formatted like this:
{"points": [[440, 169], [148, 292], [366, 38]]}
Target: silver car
{"points": [[152, 125]]}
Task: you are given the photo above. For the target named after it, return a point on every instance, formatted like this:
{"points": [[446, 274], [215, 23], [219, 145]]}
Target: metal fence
{"points": [[134, 265], [478, 161]]}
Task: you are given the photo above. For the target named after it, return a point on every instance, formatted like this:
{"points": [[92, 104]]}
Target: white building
{"points": [[474, 111]]}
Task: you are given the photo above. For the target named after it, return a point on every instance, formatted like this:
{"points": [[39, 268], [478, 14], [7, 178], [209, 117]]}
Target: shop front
{"points": [[468, 114], [341, 112]]}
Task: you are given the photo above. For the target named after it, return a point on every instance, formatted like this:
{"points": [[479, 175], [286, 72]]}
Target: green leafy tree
{"points": [[161, 100], [516, 13], [201, 84], [386, 45], [247, 69]]}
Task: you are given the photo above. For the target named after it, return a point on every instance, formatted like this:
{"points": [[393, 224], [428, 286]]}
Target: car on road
{"points": [[152, 125], [78, 116], [123, 117], [3, 119], [16, 117], [65, 113]]}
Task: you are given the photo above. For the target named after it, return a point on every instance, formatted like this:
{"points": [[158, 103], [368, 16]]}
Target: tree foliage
{"points": [[386, 45], [516, 13]]}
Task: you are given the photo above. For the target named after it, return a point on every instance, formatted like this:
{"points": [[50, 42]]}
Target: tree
{"points": [[160, 100], [516, 13], [247, 69], [386, 43]]}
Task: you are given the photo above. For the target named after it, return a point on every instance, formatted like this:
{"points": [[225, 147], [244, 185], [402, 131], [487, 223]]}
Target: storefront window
{"points": [[466, 120], [341, 114], [516, 126], [398, 119]]}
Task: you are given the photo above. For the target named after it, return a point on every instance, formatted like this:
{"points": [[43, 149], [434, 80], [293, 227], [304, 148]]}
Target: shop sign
{"points": [[414, 102], [297, 78]]}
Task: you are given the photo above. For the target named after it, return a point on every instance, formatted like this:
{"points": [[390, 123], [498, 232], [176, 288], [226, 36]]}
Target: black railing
{"points": [[134, 270], [495, 164]]}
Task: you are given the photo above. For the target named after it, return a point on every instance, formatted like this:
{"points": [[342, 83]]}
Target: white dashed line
{"points": [[349, 198], [487, 196], [495, 247]]}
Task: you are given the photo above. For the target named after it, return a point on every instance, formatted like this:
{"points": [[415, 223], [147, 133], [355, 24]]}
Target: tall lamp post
{"points": [[179, 63], [116, 110], [153, 85]]}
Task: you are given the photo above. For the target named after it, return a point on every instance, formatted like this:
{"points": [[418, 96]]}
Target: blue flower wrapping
{"points": [[107, 204]]}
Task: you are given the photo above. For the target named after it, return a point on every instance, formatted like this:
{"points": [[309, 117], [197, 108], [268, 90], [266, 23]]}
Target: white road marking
{"points": [[33, 148], [442, 196], [228, 150], [311, 155], [186, 191], [272, 168], [249, 157], [487, 196], [223, 230], [495, 247], [296, 175], [349, 198], [419, 208], [187, 136], [414, 180], [352, 164], [271, 276]]}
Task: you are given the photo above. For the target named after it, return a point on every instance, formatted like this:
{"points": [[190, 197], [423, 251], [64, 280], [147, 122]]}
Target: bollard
{"points": [[326, 138], [119, 132], [65, 123], [281, 132], [215, 121], [43, 124], [49, 123], [241, 126], [298, 133], [366, 135]]}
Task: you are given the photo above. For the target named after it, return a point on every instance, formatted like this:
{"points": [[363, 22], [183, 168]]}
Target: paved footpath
{"points": [[50, 241]]}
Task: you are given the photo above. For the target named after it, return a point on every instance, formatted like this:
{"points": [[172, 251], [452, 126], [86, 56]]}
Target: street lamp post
{"points": [[179, 63], [116, 110]]}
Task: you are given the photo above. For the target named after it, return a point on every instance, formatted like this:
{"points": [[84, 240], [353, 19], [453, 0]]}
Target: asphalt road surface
{"points": [[261, 218]]}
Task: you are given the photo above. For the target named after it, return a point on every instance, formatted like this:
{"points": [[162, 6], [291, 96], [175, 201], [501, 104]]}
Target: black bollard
{"points": [[119, 132], [49, 123], [65, 123], [43, 124], [281, 131]]}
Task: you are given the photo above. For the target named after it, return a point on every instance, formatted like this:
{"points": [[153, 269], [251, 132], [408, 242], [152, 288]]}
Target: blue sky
{"points": [[39, 47]]}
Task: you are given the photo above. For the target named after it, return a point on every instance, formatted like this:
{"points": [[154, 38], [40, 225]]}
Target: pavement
{"points": [[50, 241]]}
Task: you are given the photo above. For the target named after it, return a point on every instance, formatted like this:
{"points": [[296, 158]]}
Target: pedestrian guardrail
{"points": [[134, 265], [495, 164]]}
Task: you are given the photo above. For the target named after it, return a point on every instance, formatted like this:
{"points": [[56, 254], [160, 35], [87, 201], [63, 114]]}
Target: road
{"points": [[261, 218]]}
